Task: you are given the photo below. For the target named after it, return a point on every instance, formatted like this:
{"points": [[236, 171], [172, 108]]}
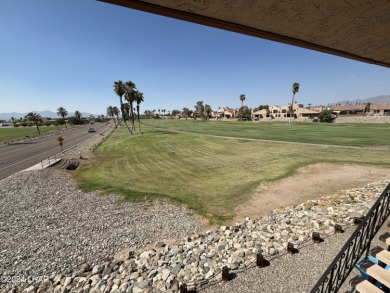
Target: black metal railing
{"points": [[354, 248]]}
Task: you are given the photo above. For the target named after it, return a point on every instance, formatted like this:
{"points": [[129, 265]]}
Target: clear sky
{"points": [[69, 52]]}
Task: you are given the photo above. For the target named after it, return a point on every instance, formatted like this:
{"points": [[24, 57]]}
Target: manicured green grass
{"points": [[210, 175], [317, 133], [20, 132]]}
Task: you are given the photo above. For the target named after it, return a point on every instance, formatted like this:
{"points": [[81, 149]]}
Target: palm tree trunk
{"points": [[122, 109], [292, 110], [117, 119], [63, 117], [242, 104], [139, 121], [38, 128], [128, 128], [132, 116]]}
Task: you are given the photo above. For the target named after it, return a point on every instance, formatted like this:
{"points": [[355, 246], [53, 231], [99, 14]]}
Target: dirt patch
{"points": [[310, 182]]}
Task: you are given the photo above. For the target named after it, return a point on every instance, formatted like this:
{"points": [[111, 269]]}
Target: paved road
{"points": [[19, 156]]}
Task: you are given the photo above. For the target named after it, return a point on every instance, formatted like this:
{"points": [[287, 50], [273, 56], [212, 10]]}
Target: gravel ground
{"points": [[293, 273], [47, 225]]}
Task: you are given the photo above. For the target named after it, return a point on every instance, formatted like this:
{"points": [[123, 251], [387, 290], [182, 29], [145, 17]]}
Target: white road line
{"points": [[26, 160]]}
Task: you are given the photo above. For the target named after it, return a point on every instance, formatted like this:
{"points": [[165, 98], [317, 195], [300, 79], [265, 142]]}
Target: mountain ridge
{"points": [[382, 99]]}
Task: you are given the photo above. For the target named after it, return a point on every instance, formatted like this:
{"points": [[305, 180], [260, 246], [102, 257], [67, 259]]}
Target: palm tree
{"points": [[115, 111], [295, 89], [110, 113], [207, 109], [61, 111], [36, 118], [130, 90], [119, 89], [242, 99], [77, 114], [139, 99], [163, 110]]}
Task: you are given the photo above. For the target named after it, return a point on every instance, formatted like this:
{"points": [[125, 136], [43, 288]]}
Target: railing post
{"points": [[373, 230], [357, 244]]}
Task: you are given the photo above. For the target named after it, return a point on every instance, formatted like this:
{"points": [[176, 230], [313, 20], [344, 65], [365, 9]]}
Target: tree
{"points": [[326, 116], [115, 111], [185, 112], [148, 114], [139, 98], [36, 118], [77, 114], [261, 107], [130, 90], [110, 113], [199, 109], [367, 107], [119, 89], [245, 113], [242, 99], [309, 105], [207, 110], [295, 89], [61, 111], [175, 112]]}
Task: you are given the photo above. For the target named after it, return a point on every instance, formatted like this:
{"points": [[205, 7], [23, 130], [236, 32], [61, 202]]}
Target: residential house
{"points": [[361, 109], [283, 112], [260, 114], [225, 112]]}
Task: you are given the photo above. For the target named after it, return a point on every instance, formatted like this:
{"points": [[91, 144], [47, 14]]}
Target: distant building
{"points": [[362, 109], [298, 111], [6, 124]]}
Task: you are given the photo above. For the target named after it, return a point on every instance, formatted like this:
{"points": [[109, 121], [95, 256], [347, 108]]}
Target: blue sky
{"points": [[69, 53]]}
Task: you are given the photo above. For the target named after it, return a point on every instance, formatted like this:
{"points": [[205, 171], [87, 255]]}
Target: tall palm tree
{"points": [[295, 89], [36, 118], [119, 89], [130, 90], [242, 99], [139, 99], [61, 111], [77, 114]]}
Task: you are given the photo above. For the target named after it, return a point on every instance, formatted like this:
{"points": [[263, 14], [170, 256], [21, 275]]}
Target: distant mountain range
{"points": [[46, 113], [375, 100]]}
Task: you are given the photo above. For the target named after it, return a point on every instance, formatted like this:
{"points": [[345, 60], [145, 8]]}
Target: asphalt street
{"points": [[24, 154]]}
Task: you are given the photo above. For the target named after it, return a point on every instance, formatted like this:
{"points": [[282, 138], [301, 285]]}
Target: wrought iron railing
{"points": [[360, 241]]}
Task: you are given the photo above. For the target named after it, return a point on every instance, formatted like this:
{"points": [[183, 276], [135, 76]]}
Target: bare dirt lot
{"points": [[310, 182]]}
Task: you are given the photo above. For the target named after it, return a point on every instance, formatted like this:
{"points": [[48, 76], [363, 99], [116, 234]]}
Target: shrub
{"points": [[326, 116]]}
